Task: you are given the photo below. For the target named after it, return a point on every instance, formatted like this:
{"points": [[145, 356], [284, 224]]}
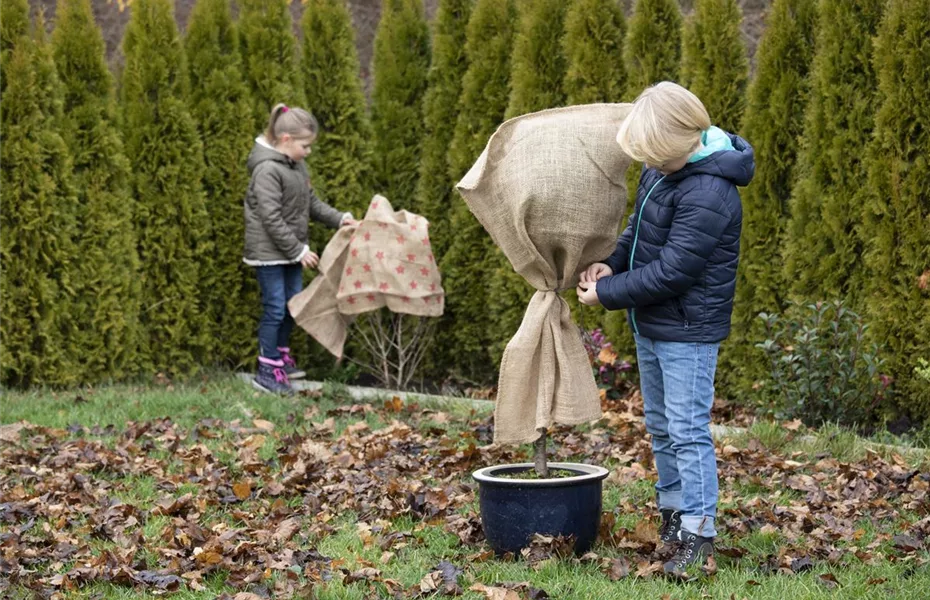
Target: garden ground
{"points": [[208, 489]]}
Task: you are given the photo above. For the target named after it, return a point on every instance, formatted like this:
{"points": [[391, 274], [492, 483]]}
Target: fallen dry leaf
{"points": [[263, 425]]}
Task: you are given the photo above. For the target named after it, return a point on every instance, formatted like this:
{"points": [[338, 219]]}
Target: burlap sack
{"points": [[550, 189], [384, 261]]}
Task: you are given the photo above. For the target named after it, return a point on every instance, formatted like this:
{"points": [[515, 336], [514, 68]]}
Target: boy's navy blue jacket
{"points": [[675, 263]]}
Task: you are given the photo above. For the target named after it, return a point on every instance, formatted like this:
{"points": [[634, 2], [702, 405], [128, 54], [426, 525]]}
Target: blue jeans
{"points": [[278, 284], [677, 381]]}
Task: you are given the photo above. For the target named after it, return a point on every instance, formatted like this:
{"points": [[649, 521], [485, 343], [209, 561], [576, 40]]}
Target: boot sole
{"points": [[262, 388]]}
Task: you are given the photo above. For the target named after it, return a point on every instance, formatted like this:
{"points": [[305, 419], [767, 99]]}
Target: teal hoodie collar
{"points": [[713, 139]]}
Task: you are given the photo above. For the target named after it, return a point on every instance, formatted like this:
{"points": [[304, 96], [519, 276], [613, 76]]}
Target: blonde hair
{"points": [[295, 122], [665, 124]]}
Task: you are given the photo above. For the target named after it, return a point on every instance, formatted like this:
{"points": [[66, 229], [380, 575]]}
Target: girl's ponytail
{"points": [[295, 122]]}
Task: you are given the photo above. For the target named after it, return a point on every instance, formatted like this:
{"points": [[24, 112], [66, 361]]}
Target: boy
{"points": [[674, 270]]}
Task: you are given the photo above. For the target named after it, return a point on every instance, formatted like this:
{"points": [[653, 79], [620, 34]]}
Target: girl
{"points": [[278, 206], [674, 270]]}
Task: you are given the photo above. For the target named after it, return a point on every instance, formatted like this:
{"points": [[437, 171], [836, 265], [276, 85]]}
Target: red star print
{"points": [[379, 255], [401, 239], [367, 237], [425, 241], [367, 268], [432, 287], [424, 271], [413, 228], [413, 285], [358, 284], [430, 257], [411, 257], [383, 287], [406, 300], [400, 269], [374, 204], [351, 300], [354, 252], [371, 297], [426, 300], [382, 225], [348, 270], [342, 288]]}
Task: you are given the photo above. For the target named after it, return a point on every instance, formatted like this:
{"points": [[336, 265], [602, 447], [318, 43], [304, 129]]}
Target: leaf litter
{"points": [[220, 507]]}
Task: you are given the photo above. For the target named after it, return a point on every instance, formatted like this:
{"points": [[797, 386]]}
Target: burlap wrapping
{"points": [[550, 189], [385, 260]]}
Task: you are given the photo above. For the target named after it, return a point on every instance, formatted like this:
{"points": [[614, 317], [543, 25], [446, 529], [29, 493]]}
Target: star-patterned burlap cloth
{"points": [[386, 260]]}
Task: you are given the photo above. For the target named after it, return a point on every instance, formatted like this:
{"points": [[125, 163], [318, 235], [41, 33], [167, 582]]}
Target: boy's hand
{"points": [[595, 272], [348, 223], [587, 293], [310, 260]]}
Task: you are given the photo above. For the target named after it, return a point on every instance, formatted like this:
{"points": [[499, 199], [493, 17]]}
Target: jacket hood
{"points": [[724, 155], [263, 151]]}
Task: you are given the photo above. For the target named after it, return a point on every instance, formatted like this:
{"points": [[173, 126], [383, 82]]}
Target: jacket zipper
{"points": [[681, 312], [635, 240]]}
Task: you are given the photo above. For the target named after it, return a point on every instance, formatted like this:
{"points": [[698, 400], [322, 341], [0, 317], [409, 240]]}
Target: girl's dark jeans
{"points": [[278, 284]]}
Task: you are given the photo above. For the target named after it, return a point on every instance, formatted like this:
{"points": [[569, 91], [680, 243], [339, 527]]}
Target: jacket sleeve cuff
{"points": [[303, 253], [345, 217], [604, 296]]}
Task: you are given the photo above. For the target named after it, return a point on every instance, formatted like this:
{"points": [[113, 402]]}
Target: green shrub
{"points": [[822, 368]]}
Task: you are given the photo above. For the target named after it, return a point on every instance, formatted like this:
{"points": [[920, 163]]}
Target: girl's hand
{"points": [[587, 293], [595, 272], [310, 260]]}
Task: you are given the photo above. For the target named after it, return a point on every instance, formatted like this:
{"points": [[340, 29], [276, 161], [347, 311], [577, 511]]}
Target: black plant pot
{"points": [[513, 510]]}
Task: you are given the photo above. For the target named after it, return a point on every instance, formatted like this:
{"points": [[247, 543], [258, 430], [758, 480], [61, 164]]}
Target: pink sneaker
{"points": [[290, 367]]}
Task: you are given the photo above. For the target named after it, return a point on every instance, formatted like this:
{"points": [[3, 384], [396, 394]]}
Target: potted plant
{"points": [[550, 190]]}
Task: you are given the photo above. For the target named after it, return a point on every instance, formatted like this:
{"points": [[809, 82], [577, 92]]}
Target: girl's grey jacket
{"points": [[278, 206]]}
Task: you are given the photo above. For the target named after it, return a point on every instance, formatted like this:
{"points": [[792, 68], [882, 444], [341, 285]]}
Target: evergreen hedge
{"points": [[897, 210], [713, 60], [593, 49], [465, 333], [341, 158], [166, 160], [222, 110], [107, 290], [38, 279], [269, 56], [440, 111], [823, 251], [400, 68]]}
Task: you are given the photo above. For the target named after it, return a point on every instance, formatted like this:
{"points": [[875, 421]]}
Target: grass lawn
{"points": [[208, 489]]}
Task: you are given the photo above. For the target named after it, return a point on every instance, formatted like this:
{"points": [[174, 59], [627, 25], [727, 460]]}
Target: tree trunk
{"points": [[542, 466]]}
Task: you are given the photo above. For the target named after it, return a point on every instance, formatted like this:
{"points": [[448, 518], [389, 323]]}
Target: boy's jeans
{"points": [[677, 380], [278, 284]]}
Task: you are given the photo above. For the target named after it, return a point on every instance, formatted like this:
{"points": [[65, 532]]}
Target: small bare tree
{"points": [[394, 345]]}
